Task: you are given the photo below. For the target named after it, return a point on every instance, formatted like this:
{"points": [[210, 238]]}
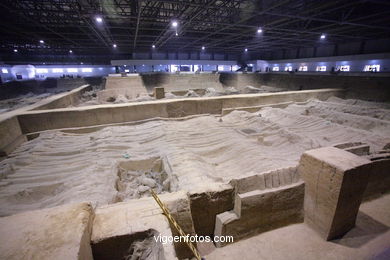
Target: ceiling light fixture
{"points": [[99, 19]]}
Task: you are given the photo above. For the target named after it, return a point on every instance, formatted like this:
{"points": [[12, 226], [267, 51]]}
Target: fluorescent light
{"points": [[221, 68], [153, 46], [81, 63], [114, 45], [246, 49], [57, 70], [42, 71], [323, 36], [70, 51], [127, 70], [203, 48], [41, 41], [174, 24], [4, 70], [99, 19], [86, 70], [71, 70], [15, 50], [259, 30], [344, 68], [176, 34], [373, 68], [302, 68]]}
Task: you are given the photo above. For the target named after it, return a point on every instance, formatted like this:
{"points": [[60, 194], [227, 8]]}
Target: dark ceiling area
{"points": [[221, 26]]}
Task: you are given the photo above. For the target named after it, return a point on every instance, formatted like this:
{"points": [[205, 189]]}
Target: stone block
{"points": [[335, 181]]}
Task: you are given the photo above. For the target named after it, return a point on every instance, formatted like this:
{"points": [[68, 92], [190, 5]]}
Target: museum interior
{"points": [[194, 129]]}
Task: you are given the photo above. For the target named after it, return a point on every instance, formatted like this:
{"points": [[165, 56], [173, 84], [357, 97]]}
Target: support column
{"points": [[336, 50], [159, 93], [335, 181]]}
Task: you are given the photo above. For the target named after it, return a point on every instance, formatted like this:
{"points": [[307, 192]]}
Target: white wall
{"points": [[160, 65], [356, 62], [6, 73], [96, 71]]}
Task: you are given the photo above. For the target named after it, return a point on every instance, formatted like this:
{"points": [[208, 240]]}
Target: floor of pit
{"points": [[59, 168]]}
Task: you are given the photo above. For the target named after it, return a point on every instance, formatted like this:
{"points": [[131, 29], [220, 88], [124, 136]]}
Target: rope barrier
{"points": [[175, 224]]}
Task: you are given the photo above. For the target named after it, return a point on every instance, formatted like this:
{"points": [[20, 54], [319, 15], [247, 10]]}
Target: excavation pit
{"points": [[137, 178], [137, 246], [112, 155]]}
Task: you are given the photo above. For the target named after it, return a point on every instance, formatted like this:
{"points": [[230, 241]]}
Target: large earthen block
{"points": [[206, 205], [259, 211], [118, 223], [56, 233], [159, 93], [335, 181]]}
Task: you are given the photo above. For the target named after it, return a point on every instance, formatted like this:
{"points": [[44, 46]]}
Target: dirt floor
{"points": [[62, 167], [369, 239]]}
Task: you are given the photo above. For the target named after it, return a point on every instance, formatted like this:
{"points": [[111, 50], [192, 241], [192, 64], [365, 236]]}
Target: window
{"points": [[72, 70], [174, 68], [197, 67], [4, 70], [57, 70], [41, 71], [343, 68], [321, 68], [224, 68], [302, 68], [235, 67], [374, 68], [288, 68], [275, 69], [86, 70], [185, 67]]}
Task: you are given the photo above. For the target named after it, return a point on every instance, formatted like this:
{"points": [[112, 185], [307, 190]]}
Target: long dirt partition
{"points": [[10, 132], [36, 121]]}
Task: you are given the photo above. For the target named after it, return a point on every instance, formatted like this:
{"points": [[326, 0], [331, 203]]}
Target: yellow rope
{"points": [[175, 224]]}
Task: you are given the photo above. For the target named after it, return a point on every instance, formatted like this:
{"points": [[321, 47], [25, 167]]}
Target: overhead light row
{"points": [[174, 24]]}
